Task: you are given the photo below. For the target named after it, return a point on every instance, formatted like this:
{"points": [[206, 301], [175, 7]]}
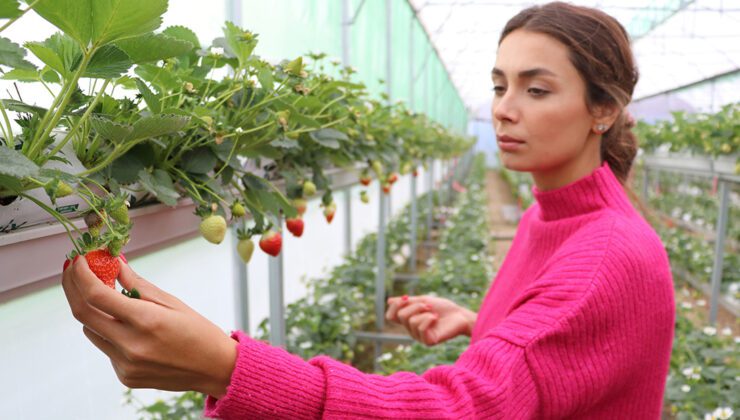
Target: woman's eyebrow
{"points": [[525, 74]]}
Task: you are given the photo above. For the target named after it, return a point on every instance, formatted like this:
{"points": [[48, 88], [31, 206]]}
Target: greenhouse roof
{"points": [[676, 42]]}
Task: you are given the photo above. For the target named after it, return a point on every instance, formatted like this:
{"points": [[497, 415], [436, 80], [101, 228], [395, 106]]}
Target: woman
{"points": [[577, 324]]}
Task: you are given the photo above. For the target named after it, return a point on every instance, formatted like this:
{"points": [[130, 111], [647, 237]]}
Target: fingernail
{"points": [[123, 257], [428, 307], [66, 264], [75, 259], [405, 298]]}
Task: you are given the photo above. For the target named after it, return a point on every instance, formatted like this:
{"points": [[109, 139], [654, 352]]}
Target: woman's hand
{"points": [[430, 320], [153, 342]]}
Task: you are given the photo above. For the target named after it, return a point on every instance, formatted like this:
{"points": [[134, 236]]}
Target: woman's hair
{"points": [[600, 50]]}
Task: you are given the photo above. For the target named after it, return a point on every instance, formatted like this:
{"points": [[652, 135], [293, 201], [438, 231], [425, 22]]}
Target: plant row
{"points": [[164, 115], [461, 271], [712, 134]]}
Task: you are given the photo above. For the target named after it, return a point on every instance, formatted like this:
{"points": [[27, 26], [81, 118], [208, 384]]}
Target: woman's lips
{"points": [[509, 144]]}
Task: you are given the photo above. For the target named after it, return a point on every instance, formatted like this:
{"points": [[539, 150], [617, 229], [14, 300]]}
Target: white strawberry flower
{"points": [[701, 302], [217, 51], [727, 331], [710, 331], [687, 305], [685, 388], [305, 345], [723, 413]]}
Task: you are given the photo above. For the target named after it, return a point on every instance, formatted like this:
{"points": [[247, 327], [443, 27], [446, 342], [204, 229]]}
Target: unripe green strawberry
{"points": [[725, 148], [213, 228], [364, 197], [120, 214], [300, 205], [245, 248], [377, 167], [238, 210], [405, 168], [63, 189], [271, 242], [295, 67], [104, 265], [114, 247], [309, 189]]}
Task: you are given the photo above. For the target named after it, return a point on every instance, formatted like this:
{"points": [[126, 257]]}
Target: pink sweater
{"points": [[578, 324]]}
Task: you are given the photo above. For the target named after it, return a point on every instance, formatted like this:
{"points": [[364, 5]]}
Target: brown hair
{"points": [[600, 51]]}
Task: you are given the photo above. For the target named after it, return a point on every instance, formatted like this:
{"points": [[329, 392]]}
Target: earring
{"points": [[601, 128]]}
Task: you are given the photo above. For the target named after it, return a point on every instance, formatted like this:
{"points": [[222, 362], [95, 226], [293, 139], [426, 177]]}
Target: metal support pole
{"points": [[719, 249], [645, 183], [430, 201], [380, 275], [277, 315], [413, 233], [348, 221], [241, 285]]}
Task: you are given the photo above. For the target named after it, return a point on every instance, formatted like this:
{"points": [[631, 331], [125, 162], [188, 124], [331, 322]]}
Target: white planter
{"points": [[23, 212]]}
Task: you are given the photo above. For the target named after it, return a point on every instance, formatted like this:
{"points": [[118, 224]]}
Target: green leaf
{"points": [[23, 75], [10, 183], [328, 137], [59, 52], [285, 143], [9, 9], [223, 151], [255, 183], [151, 99], [160, 185], [126, 168], [11, 55], [109, 129], [15, 164], [18, 106], [157, 125], [265, 78], [164, 79], [198, 161], [240, 43], [184, 34], [99, 22], [108, 62], [153, 47]]}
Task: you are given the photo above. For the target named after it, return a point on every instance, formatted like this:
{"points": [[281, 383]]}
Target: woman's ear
{"points": [[603, 118]]}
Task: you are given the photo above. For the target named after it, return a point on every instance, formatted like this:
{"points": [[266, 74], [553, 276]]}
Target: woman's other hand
{"points": [[153, 342], [430, 320]]}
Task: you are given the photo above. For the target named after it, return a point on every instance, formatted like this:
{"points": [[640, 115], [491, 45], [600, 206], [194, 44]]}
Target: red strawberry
{"points": [[416, 173], [386, 187], [271, 242], [300, 205], [295, 226], [392, 178], [104, 265], [365, 178], [329, 211]]}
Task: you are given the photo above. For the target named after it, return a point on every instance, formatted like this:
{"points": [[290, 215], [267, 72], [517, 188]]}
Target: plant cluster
{"points": [[162, 114]]}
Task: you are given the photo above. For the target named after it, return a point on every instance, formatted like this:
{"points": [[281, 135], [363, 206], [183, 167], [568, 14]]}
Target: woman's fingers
{"points": [[394, 304], [96, 294], [95, 319], [419, 324], [101, 343]]}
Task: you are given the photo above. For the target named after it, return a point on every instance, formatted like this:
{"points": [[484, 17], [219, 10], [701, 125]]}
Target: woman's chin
{"points": [[513, 164]]}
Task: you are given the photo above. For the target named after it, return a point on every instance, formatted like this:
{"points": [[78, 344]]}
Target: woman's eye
{"points": [[537, 92], [499, 90]]}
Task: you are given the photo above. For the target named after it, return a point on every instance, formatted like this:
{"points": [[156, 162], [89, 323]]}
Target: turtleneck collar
{"points": [[597, 191]]}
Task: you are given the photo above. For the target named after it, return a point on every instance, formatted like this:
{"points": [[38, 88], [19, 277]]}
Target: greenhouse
{"points": [[369, 209]]}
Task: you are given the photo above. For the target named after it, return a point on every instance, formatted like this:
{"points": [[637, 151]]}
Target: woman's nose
{"points": [[504, 109]]}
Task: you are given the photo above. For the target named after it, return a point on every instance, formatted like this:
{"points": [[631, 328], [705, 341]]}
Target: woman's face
{"points": [[539, 111]]}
